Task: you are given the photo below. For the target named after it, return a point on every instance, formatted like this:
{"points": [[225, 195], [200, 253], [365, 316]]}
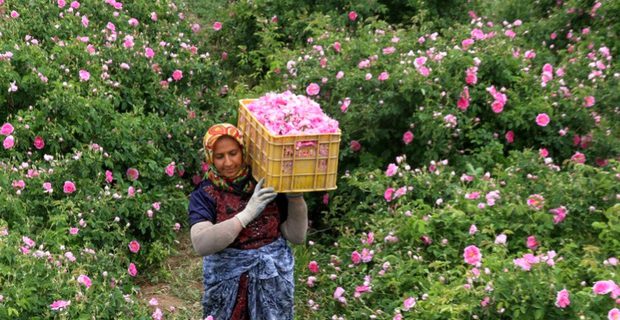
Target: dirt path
{"points": [[178, 284]]}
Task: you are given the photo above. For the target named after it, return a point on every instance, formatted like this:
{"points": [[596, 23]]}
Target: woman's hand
{"points": [[257, 203]]}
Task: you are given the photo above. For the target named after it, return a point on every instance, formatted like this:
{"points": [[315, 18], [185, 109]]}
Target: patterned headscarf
{"points": [[242, 182]]}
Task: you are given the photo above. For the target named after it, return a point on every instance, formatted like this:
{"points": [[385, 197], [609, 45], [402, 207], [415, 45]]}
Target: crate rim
{"points": [[242, 103]]}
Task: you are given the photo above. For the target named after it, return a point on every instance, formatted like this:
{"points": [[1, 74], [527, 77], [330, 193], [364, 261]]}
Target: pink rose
{"points": [[472, 255], [84, 75], [532, 243], [313, 89], [578, 157], [59, 305], [170, 169], [6, 129], [352, 15], [530, 54], [132, 270], [536, 201], [19, 184], [217, 26], [542, 119], [463, 102], [408, 137], [149, 53], [177, 75], [409, 303], [133, 174], [337, 47], [388, 194], [471, 77], [68, 187], [313, 266], [356, 257], [603, 287], [497, 106], [510, 136], [562, 299], [134, 246], [47, 187], [589, 101], [39, 143], [391, 170], [9, 142], [500, 239], [84, 280], [384, 76], [109, 176], [467, 43]]}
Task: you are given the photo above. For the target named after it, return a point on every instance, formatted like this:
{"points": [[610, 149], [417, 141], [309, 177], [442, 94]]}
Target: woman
{"points": [[240, 228]]}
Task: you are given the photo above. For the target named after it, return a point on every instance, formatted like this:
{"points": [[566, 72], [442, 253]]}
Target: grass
{"points": [[178, 283]]}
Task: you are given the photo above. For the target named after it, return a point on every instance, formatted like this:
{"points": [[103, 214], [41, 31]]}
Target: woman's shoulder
{"points": [[201, 188]]}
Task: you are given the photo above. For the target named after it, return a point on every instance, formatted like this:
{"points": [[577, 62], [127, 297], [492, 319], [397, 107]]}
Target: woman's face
{"points": [[227, 157]]}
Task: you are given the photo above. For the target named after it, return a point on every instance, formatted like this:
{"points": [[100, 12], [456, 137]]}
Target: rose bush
{"points": [[467, 242], [104, 104]]}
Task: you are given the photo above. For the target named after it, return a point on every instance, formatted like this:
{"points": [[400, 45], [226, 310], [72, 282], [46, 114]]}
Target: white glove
{"points": [[257, 203]]}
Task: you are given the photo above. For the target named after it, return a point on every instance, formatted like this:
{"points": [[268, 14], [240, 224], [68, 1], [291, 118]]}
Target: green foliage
{"points": [[132, 113], [422, 234]]}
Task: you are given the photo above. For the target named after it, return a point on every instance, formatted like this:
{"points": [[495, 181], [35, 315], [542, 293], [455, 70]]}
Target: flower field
{"points": [[479, 165]]}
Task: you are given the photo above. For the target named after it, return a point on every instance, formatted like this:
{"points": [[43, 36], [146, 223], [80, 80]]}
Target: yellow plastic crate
{"points": [[292, 163]]}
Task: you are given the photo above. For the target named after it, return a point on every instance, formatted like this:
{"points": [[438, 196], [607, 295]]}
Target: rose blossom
{"points": [[407, 137], [177, 75], [6, 129], [68, 187], [542, 119], [472, 255], [84, 280], [39, 143], [589, 101], [132, 270], [134, 246], [133, 174], [352, 15], [313, 89], [531, 242], [84, 75], [59, 305], [603, 287], [409, 303], [313, 266], [562, 299], [355, 146], [392, 169]]}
